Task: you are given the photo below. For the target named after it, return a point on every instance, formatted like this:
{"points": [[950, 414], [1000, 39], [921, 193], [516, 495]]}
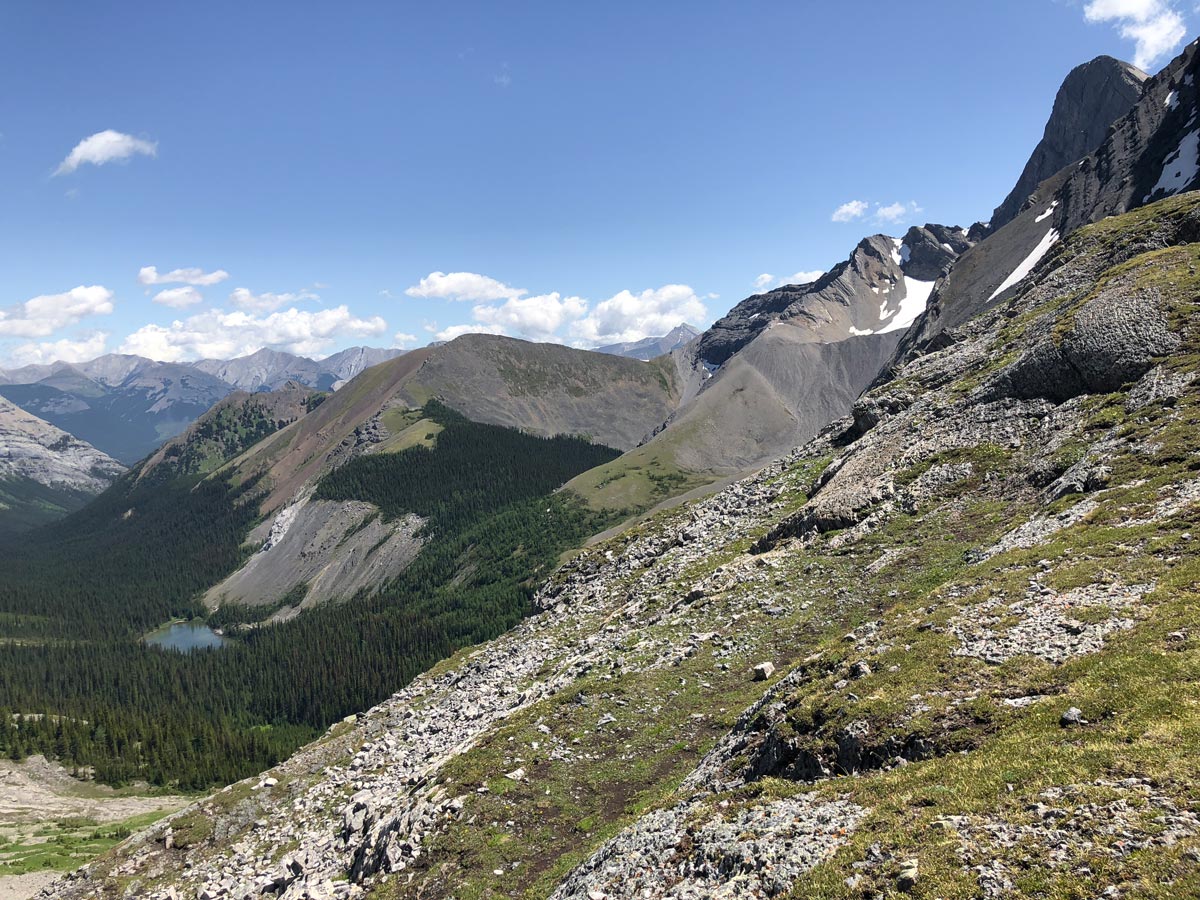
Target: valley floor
{"points": [[51, 822]]}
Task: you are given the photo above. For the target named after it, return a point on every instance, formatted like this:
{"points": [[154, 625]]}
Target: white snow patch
{"points": [[1172, 101], [1027, 263], [896, 245], [947, 246], [1187, 78], [905, 253], [916, 295], [1180, 167], [860, 332], [1047, 213]]}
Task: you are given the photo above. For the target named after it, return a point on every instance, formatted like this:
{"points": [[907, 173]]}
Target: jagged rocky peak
{"points": [[1092, 97], [929, 250], [1150, 152], [881, 287]]}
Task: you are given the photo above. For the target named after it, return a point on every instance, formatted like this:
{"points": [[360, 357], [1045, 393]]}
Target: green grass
{"points": [[64, 844]]}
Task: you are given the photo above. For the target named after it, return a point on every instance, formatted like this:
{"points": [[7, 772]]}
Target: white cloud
{"points": [[851, 210], [226, 335], [537, 318], [896, 212], [858, 209], [463, 286], [47, 313], [449, 334], [105, 147], [1154, 26], [502, 309], [401, 340], [766, 280], [631, 317], [65, 350], [802, 277], [243, 298], [150, 275], [180, 297]]}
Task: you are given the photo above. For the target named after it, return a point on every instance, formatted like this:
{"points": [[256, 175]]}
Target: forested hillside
{"points": [[79, 596]]}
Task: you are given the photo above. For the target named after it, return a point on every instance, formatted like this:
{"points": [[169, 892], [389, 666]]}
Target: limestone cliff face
{"points": [[33, 449], [45, 472], [1093, 96], [1148, 153]]}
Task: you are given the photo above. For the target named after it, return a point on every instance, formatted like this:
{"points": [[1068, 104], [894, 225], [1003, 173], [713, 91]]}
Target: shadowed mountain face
{"points": [[124, 411], [1093, 96]]}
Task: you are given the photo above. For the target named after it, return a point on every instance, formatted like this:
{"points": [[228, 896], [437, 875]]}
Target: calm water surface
{"points": [[185, 637]]}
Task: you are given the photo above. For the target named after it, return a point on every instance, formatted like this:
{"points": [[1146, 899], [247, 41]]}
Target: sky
{"points": [[190, 180]]}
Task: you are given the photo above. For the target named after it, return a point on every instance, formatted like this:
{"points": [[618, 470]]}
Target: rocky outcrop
{"points": [[1148, 153], [33, 449], [1091, 98], [44, 471]]}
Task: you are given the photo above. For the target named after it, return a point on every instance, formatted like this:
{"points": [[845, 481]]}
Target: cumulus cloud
{"points": [[230, 334], [766, 280], [555, 316], [463, 286], [449, 334], [180, 297], [855, 210], [630, 317], [896, 212], [851, 210], [244, 298], [537, 318], [105, 147], [45, 314], [402, 340], [150, 275], [1154, 26], [42, 352]]}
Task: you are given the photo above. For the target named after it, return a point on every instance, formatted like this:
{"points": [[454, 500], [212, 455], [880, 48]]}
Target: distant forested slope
{"points": [[76, 598]]}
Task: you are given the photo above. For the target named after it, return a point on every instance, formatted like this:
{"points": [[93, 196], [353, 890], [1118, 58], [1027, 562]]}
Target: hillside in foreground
{"points": [[977, 602]]}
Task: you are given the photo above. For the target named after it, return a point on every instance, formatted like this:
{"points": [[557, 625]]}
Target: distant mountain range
{"points": [[648, 348], [128, 405]]}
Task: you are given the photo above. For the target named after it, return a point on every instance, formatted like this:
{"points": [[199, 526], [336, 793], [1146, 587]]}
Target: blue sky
{"points": [[185, 180]]}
